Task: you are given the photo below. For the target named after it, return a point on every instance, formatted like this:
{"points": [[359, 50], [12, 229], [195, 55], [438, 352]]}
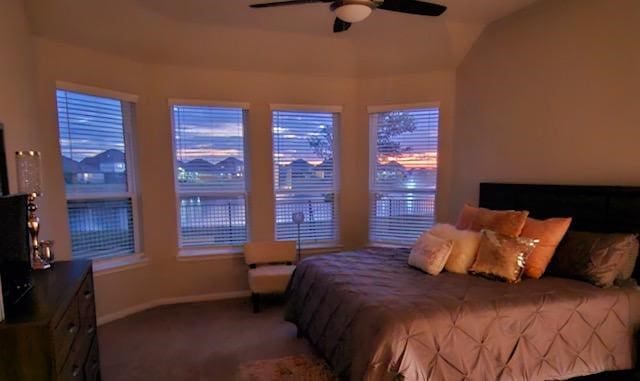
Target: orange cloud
{"points": [[426, 160]]}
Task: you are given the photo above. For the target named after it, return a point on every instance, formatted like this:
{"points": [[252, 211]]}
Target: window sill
{"points": [[118, 264], [320, 248], [210, 253]]}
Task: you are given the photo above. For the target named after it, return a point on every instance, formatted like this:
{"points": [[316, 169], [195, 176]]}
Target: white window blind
{"points": [[403, 166], [101, 201], [210, 175], [305, 176]]}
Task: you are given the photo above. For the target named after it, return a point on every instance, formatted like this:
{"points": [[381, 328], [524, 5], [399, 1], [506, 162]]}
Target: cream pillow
{"points": [[430, 253], [465, 246]]}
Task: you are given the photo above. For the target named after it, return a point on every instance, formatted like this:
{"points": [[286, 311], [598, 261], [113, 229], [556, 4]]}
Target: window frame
{"points": [[337, 119], [373, 159], [218, 251], [137, 257]]}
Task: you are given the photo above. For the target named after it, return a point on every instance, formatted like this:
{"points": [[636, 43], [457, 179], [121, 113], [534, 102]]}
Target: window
{"points": [[403, 167], [95, 144], [210, 175], [305, 176]]}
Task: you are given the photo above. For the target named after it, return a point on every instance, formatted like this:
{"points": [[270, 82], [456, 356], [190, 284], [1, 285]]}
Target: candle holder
{"points": [[28, 164]]}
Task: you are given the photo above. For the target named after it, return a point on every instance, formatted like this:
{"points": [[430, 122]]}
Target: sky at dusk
{"points": [[89, 125]]}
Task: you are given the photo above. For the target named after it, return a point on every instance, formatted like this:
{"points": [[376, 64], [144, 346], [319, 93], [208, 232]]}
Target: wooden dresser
{"points": [[50, 334]]}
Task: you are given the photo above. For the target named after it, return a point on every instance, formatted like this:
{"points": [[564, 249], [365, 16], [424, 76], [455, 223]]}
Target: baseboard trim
{"points": [[108, 318]]}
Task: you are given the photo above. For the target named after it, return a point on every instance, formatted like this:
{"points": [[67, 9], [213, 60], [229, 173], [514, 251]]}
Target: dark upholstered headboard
{"points": [[613, 209]]}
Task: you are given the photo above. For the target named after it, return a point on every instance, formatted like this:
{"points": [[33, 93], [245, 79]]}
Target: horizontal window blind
{"points": [[212, 220], [101, 228], [403, 166], [210, 175], [92, 143], [304, 162], [93, 133]]}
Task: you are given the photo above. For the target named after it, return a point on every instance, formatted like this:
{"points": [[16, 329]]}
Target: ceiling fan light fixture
{"points": [[353, 12]]}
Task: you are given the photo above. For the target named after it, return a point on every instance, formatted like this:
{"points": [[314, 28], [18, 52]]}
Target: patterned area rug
{"points": [[298, 368]]}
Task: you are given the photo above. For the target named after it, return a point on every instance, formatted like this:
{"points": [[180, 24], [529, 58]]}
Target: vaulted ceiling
{"points": [[228, 35]]}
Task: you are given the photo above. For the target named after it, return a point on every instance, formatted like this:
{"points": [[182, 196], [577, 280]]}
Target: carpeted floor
{"points": [[199, 341]]}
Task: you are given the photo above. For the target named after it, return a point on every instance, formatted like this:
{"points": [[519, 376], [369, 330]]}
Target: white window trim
{"points": [[210, 251], [401, 107], [124, 261], [373, 141], [334, 109], [208, 103], [97, 91], [106, 266]]}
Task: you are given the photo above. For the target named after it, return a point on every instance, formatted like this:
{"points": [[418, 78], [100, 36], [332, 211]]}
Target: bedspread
{"points": [[375, 318]]}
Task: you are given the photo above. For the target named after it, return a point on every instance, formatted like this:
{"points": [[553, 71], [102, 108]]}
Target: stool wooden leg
{"points": [[255, 300]]}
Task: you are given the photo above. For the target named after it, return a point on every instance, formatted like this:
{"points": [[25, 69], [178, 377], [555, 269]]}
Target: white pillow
{"points": [[430, 253], [465, 246]]}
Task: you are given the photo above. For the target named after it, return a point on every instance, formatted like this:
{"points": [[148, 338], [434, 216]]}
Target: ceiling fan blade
{"points": [[289, 2], [414, 7], [340, 26]]}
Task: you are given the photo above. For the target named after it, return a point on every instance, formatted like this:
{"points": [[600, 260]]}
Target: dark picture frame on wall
{"points": [[4, 181]]}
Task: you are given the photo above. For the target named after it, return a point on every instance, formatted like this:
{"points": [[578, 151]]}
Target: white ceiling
{"points": [[228, 35]]}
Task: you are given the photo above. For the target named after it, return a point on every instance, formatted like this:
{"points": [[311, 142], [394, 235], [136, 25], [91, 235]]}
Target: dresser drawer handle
{"points": [[76, 371], [72, 328], [91, 328], [87, 294]]}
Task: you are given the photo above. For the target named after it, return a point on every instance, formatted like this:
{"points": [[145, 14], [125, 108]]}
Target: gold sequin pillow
{"points": [[502, 257]]}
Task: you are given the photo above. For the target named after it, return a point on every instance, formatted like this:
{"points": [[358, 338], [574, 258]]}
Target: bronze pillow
{"points": [[507, 222], [596, 258], [501, 256]]}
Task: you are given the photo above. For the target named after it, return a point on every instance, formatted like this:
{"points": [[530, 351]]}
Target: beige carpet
{"points": [[199, 341]]}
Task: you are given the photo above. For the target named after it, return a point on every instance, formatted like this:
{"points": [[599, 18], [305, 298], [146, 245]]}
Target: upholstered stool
{"points": [[270, 267]]}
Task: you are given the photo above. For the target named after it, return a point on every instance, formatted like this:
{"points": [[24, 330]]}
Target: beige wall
{"points": [[551, 94], [166, 276], [17, 106]]}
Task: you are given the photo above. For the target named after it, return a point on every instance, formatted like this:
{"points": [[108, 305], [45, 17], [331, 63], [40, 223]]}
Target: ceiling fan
{"points": [[351, 11]]}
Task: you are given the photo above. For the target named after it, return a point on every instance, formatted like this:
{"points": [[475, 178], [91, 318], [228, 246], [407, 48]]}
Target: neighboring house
{"points": [[324, 170], [80, 173], [229, 167], [200, 170], [391, 171], [108, 167], [294, 173]]}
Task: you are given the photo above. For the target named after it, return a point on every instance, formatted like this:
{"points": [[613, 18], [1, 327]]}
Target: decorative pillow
{"points": [[549, 233], [430, 253], [507, 222], [628, 265], [465, 219], [501, 256], [465, 246], [596, 258]]}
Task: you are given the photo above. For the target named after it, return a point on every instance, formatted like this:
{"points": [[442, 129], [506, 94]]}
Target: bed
{"points": [[373, 317]]}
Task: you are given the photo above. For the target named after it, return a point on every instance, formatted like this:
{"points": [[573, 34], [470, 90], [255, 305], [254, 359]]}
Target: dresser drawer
{"points": [[85, 295], [65, 333], [73, 368], [92, 365]]}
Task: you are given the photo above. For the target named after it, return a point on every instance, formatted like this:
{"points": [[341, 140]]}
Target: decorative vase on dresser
{"points": [[50, 333]]}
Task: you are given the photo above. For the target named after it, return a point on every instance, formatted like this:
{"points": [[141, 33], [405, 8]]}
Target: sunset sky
{"points": [[214, 134]]}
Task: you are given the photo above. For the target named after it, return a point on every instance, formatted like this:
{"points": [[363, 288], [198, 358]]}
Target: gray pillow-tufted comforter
{"points": [[375, 318]]}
